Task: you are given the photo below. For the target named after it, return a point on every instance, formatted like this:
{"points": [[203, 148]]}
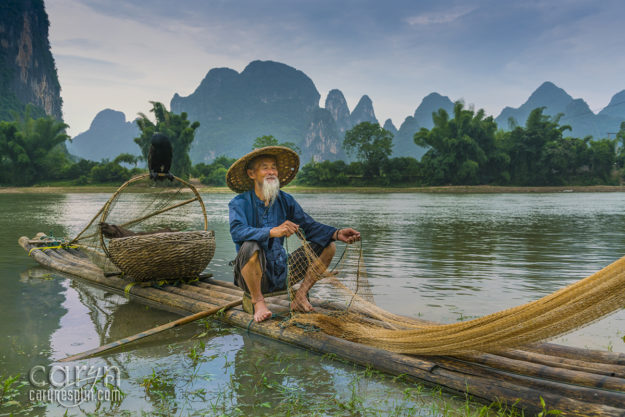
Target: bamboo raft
{"points": [[578, 382]]}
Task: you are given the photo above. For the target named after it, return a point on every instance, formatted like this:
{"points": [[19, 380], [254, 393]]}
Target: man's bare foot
{"points": [[300, 303], [261, 311]]}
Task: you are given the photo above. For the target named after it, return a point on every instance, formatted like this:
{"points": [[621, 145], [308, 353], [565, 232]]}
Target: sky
{"points": [[122, 54]]}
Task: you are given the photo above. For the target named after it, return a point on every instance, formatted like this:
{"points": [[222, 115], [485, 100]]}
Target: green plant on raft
{"points": [[546, 412]]}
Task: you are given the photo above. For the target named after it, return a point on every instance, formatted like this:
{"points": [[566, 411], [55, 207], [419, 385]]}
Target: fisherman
{"points": [[261, 216]]}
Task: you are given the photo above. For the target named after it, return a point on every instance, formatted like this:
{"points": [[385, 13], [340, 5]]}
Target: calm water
{"points": [[441, 257]]}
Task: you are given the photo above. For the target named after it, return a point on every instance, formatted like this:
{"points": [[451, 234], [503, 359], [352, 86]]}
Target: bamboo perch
{"points": [[153, 331]]}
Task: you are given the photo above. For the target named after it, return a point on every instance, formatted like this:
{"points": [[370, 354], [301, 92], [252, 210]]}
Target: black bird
{"points": [[159, 157]]}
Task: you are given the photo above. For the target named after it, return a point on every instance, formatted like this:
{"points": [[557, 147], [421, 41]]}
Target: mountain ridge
{"points": [[271, 98]]}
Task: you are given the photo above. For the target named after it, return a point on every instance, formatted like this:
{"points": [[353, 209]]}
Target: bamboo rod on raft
{"points": [[585, 378], [150, 332], [566, 363]]}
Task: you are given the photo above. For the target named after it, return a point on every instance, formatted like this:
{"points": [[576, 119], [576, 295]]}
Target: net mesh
{"points": [[348, 311], [141, 206]]}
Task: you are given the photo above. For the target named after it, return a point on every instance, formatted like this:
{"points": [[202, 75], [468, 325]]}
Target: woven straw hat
{"points": [[287, 162]]}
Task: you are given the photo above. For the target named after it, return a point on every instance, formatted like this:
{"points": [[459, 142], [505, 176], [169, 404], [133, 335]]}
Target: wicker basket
{"points": [[171, 255]]}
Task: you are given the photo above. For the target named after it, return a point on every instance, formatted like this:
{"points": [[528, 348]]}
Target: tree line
{"points": [[469, 149], [465, 148]]}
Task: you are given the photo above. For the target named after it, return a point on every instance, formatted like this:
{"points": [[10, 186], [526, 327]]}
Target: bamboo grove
{"points": [[463, 148]]}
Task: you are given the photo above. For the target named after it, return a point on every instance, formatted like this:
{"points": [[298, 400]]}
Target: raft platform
{"points": [[578, 382]]}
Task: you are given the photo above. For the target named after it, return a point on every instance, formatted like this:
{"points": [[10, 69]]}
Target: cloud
{"points": [[93, 65], [490, 52], [78, 43], [437, 17]]}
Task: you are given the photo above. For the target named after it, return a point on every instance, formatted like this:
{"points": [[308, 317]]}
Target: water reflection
{"points": [[267, 372], [440, 257]]}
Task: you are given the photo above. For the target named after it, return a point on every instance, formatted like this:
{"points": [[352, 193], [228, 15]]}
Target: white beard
{"points": [[271, 187]]}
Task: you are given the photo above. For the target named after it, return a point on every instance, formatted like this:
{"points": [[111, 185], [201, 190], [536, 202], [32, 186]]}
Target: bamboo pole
{"points": [[601, 356], [566, 363], [150, 332]]}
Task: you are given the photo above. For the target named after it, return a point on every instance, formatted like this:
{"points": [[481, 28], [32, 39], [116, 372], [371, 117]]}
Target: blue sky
{"points": [[121, 54]]}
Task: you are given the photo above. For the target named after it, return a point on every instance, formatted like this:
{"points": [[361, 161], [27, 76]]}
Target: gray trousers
{"points": [[298, 257]]}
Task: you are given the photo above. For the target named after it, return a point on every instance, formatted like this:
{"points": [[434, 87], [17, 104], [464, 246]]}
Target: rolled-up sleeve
{"points": [[239, 227]]}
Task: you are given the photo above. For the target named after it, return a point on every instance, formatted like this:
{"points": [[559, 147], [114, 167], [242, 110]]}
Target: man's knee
{"points": [[250, 253], [329, 251], [252, 263]]}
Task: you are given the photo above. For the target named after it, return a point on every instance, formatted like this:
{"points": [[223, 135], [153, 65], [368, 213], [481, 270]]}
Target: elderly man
{"points": [[261, 216]]}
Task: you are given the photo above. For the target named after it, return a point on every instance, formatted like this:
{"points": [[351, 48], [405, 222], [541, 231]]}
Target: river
{"points": [[441, 257]]}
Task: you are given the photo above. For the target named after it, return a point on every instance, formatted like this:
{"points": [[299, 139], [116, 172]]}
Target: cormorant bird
{"points": [[159, 157]]}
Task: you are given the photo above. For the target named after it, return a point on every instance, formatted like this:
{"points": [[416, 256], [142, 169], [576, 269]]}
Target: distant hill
{"points": [[271, 98], [108, 136], [27, 70], [363, 112], [404, 143], [267, 98], [576, 112]]}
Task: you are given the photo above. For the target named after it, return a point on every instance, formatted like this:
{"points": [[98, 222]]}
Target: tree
{"points": [[325, 173], [126, 158], [371, 144], [177, 128], [269, 140], [620, 138], [31, 150], [402, 170], [602, 159], [527, 146], [463, 150], [564, 159], [214, 173]]}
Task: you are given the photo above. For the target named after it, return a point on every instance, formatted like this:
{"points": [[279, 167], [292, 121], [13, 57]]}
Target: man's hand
{"points": [[285, 229], [348, 235]]}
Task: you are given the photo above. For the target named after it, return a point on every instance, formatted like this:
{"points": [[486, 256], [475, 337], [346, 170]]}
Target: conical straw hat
{"points": [[287, 162]]}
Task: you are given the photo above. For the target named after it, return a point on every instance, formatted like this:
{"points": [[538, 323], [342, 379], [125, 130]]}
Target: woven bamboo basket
{"points": [[159, 256], [169, 255]]}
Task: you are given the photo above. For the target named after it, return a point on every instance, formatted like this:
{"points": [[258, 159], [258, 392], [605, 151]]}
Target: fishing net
{"points": [[150, 230], [347, 310]]}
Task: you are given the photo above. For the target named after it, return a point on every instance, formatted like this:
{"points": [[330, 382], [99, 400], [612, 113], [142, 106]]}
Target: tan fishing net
{"points": [[348, 311], [150, 231]]}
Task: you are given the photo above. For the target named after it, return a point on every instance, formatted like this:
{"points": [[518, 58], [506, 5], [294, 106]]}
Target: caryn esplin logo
{"points": [[72, 386]]}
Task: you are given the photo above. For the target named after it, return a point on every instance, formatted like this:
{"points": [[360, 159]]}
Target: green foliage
{"points": [[620, 138], [469, 149], [177, 128], [371, 144], [324, 173], [395, 171], [526, 147], [31, 150], [269, 140], [110, 172], [463, 150], [215, 173], [402, 171], [602, 159], [126, 158], [80, 169]]}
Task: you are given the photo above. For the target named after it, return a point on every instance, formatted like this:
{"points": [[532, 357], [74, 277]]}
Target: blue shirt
{"points": [[251, 220]]}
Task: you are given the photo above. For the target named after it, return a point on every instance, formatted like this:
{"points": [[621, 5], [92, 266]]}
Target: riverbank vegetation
{"points": [[469, 149], [465, 148]]}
